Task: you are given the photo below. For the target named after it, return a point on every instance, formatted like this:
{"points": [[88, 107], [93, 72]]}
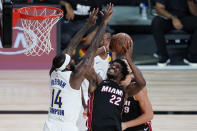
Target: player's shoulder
{"points": [[65, 72], [110, 83], [105, 82]]}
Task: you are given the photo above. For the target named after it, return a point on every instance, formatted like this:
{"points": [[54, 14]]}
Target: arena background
{"points": [[24, 86]]}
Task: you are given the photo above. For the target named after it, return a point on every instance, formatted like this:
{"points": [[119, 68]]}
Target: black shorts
{"points": [[110, 128], [146, 128]]}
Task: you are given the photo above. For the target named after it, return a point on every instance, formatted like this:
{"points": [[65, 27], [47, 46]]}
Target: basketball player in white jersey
{"points": [[101, 61], [101, 65], [66, 79]]}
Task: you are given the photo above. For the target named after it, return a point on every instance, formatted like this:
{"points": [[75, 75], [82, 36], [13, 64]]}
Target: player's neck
{"points": [[103, 55], [115, 80]]}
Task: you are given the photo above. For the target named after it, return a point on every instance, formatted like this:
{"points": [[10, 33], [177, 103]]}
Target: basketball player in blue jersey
{"points": [[107, 96], [65, 80]]}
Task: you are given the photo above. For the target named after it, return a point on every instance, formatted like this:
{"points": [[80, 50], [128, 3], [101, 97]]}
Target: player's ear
{"points": [[68, 66]]}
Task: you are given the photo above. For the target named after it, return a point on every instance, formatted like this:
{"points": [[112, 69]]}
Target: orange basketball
{"points": [[119, 42]]}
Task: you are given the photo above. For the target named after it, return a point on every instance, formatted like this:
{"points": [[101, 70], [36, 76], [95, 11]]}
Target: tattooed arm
{"points": [[78, 75], [76, 39], [93, 78], [90, 54]]}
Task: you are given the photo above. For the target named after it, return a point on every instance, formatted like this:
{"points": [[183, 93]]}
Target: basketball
{"points": [[120, 42]]}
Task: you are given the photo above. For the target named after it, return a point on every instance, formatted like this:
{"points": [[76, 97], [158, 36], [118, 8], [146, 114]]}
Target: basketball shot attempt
{"points": [[66, 78], [120, 43], [37, 23]]}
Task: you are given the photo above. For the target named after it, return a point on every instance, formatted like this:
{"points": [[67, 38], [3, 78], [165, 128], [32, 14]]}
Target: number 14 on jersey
{"points": [[57, 100]]}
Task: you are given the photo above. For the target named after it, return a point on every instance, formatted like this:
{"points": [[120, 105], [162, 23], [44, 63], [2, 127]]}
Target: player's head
{"points": [[118, 70], [106, 39], [62, 62]]}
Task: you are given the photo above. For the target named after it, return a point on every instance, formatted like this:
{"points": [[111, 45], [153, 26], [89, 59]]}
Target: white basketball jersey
{"points": [[65, 101], [101, 66]]}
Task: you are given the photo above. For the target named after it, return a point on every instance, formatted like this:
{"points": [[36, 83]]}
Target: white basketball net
{"points": [[38, 32]]}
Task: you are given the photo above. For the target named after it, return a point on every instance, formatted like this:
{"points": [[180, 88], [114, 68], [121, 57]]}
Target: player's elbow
{"points": [[142, 84], [150, 116]]}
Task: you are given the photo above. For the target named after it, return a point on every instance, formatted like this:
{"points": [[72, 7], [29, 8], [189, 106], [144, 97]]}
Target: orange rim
{"points": [[33, 17]]}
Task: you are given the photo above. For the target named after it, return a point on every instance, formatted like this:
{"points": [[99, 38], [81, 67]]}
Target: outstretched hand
{"points": [[93, 17], [107, 13]]}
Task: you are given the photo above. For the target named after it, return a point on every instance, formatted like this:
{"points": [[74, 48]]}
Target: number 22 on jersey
{"points": [[115, 100], [56, 98]]}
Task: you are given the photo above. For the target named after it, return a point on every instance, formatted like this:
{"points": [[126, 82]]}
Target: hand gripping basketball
{"points": [[120, 43]]}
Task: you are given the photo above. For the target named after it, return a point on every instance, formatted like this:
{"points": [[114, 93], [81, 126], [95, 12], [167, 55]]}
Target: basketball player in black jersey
{"points": [[107, 96]]}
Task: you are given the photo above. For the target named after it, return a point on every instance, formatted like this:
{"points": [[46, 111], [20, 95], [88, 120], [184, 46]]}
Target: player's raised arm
{"points": [[77, 37], [134, 88], [80, 70], [90, 54]]}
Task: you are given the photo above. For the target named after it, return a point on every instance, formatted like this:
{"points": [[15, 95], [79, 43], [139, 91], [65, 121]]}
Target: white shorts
{"points": [[54, 126], [81, 122]]}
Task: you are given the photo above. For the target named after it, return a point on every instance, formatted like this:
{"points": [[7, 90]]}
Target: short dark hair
{"points": [[125, 71], [58, 61]]}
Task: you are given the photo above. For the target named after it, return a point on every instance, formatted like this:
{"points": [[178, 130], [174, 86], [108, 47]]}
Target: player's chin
{"points": [[111, 75]]}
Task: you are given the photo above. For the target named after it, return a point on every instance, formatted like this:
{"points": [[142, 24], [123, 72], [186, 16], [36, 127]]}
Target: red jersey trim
{"points": [[90, 109], [149, 124]]}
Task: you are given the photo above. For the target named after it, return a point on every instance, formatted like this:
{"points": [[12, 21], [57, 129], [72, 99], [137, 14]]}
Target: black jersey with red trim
{"points": [[105, 106], [131, 111]]}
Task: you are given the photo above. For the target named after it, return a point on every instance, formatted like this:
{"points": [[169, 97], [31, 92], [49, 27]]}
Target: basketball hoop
{"points": [[37, 22]]}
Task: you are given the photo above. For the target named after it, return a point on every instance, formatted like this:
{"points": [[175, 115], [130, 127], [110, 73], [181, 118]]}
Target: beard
{"points": [[109, 76]]}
